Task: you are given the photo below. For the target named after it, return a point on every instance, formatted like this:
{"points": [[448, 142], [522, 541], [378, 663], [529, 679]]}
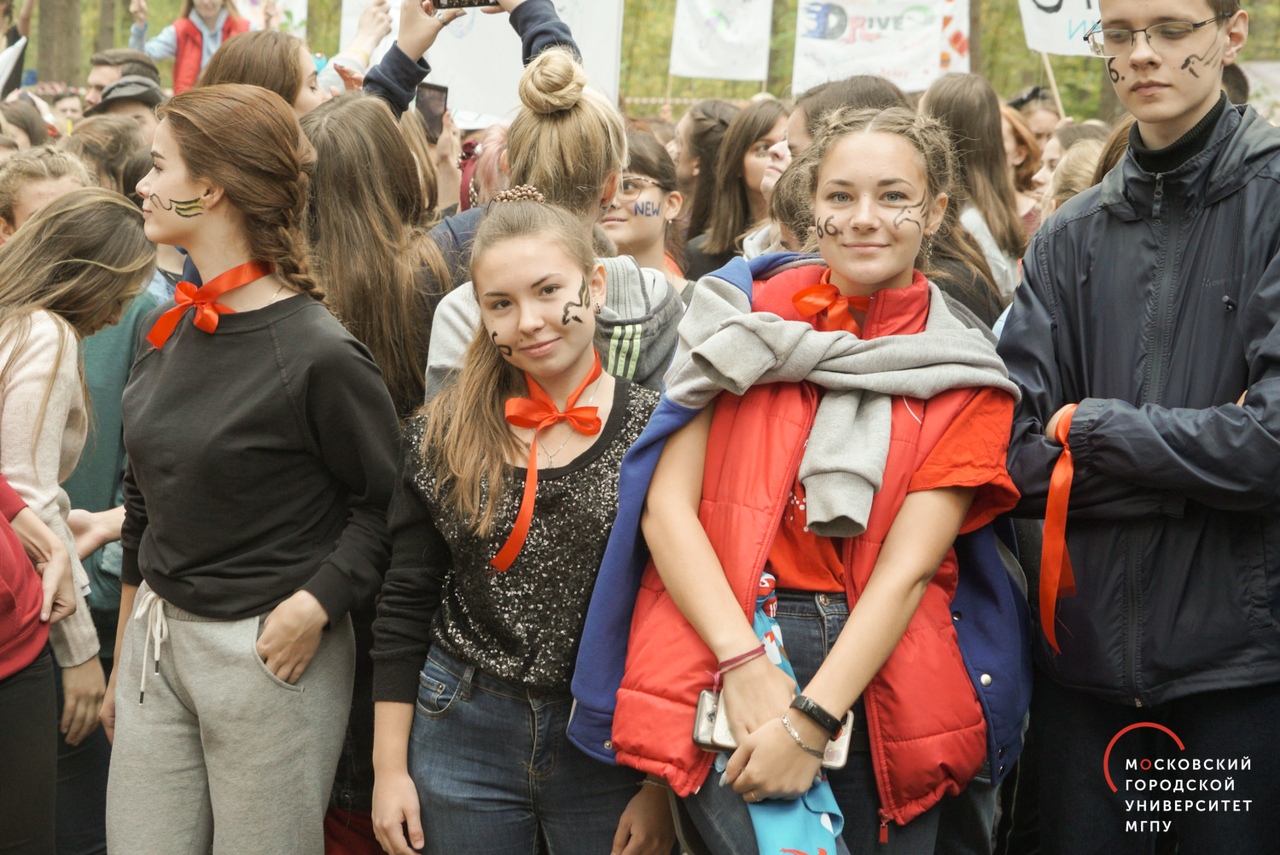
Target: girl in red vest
{"points": [[201, 28], [865, 618]]}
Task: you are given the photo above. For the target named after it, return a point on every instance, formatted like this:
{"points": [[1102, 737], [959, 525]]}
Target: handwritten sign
{"points": [[1058, 26], [900, 40], [722, 39]]}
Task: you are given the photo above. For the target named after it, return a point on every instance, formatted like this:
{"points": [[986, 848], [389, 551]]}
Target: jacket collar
{"points": [[195, 18], [1241, 145]]}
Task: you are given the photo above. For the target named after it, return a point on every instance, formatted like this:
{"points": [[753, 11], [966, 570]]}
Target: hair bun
{"points": [[553, 82]]}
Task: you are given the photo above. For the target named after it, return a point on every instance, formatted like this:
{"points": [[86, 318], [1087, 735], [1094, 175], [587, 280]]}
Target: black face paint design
{"points": [[504, 349], [1209, 60], [188, 209], [825, 227], [584, 295], [904, 216], [1111, 71]]}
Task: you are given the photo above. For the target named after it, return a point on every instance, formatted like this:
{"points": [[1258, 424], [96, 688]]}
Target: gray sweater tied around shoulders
{"points": [[725, 347]]}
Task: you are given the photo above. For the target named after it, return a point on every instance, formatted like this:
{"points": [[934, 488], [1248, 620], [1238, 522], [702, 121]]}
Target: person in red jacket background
{"points": [[201, 28], [35, 590]]}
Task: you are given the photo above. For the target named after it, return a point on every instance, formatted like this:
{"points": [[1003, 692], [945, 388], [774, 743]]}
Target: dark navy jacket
{"points": [[1153, 301]]}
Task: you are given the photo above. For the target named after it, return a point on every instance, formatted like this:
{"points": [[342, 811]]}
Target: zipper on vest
{"points": [[884, 827], [1159, 197]]}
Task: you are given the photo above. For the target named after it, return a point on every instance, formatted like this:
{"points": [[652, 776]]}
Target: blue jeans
{"points": [[1078, 812], [496, 772], [810, 624]]}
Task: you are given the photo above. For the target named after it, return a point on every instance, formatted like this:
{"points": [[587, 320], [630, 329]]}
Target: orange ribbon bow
{"points": [[1056, 578], [205, 300], [538, 411], [825, 301]]}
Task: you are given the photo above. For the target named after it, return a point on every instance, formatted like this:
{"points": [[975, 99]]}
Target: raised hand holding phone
{"points": [[420, 25]]}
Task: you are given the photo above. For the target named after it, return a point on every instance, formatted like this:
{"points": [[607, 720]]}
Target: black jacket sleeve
{"points": [[411, 593], [1029, 347], [395, 79], [539, 28]]}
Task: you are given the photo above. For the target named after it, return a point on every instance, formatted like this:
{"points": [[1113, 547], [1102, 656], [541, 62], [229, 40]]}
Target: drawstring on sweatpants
{"points": [[151, 609]]}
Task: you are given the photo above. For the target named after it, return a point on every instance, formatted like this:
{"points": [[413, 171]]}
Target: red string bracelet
{"points": [[736, 662]]}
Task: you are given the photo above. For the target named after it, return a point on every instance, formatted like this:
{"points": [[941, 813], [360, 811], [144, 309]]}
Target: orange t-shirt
{"points": [[970, 453]]}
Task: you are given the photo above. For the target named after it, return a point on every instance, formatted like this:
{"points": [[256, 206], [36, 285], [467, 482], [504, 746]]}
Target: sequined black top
{"points": [[521, 625]]}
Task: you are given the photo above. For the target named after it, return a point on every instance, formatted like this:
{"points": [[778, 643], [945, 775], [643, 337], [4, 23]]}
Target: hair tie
{"points": [[523, 193]]}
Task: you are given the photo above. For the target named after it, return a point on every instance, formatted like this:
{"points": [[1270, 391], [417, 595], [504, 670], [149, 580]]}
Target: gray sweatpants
{"points": [[221, 755]]}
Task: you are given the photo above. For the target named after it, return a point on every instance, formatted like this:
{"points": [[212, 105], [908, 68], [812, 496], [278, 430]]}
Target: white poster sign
{"points": [[9, 57], [722, 39], [1058, 26], [900, 40], [478, 55]]}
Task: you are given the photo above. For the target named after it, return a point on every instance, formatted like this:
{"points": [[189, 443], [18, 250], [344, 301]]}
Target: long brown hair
{"points": [[731, 210], [970, 109], [413, 129], [1026, 140], [266, 58], [708, 123], [365, 226], [467, 432], [247, 141], [79, 258]]}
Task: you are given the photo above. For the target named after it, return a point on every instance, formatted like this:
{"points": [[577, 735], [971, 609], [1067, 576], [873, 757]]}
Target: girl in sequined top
{"points": [[499, 526]]}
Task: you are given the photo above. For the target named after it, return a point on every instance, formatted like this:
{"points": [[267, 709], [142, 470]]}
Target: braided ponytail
{"points": [[246, 140]]}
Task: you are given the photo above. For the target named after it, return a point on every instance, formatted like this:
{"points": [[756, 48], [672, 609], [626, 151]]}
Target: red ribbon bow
{"points": [[205, 300], [1056, 578], [538, 411], [824, 301]]}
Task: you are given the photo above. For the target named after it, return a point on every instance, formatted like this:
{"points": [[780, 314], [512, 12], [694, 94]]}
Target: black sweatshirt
{"points": [[261, 461]]}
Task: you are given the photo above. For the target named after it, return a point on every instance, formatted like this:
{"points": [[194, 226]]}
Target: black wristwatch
{"points": [[821, 717]]}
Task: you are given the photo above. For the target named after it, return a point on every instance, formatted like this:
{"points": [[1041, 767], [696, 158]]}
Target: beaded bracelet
{"points": [[736, 662], [812, 752]]}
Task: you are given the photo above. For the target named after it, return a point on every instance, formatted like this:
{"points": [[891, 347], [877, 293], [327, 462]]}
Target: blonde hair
{"points": [[1074, 174], [78, 259], [568, 140], [37, 164], [466, 426]]}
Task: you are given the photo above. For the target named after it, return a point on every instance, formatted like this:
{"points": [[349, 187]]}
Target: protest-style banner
{"points": [[722, 39], [955, 37], [1058, 26], [478, 55], [897, 39]]}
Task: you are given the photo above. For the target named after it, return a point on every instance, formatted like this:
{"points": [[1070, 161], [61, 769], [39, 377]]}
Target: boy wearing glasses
{"points": [[1146, 340]]}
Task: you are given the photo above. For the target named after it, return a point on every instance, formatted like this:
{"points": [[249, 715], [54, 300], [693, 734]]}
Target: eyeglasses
{"points": [[1115, 41], [631, 186]]}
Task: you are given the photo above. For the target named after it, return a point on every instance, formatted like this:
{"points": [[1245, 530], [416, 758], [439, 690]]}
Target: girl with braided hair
{"points": [[261, 443]]}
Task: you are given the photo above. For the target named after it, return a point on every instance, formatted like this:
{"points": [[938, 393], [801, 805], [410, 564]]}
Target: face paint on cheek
{"points": [[646, 209], [504, 349], [187, 209], [584, 294], [1115, 76], [907, 215], [1208, 60], [825, 228]]}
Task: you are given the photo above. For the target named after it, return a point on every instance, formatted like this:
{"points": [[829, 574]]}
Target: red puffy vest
{"points": [[186, 60], [928, 735]]}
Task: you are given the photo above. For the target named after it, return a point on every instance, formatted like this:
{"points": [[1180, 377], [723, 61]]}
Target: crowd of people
{"points": [[845, 474]]}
